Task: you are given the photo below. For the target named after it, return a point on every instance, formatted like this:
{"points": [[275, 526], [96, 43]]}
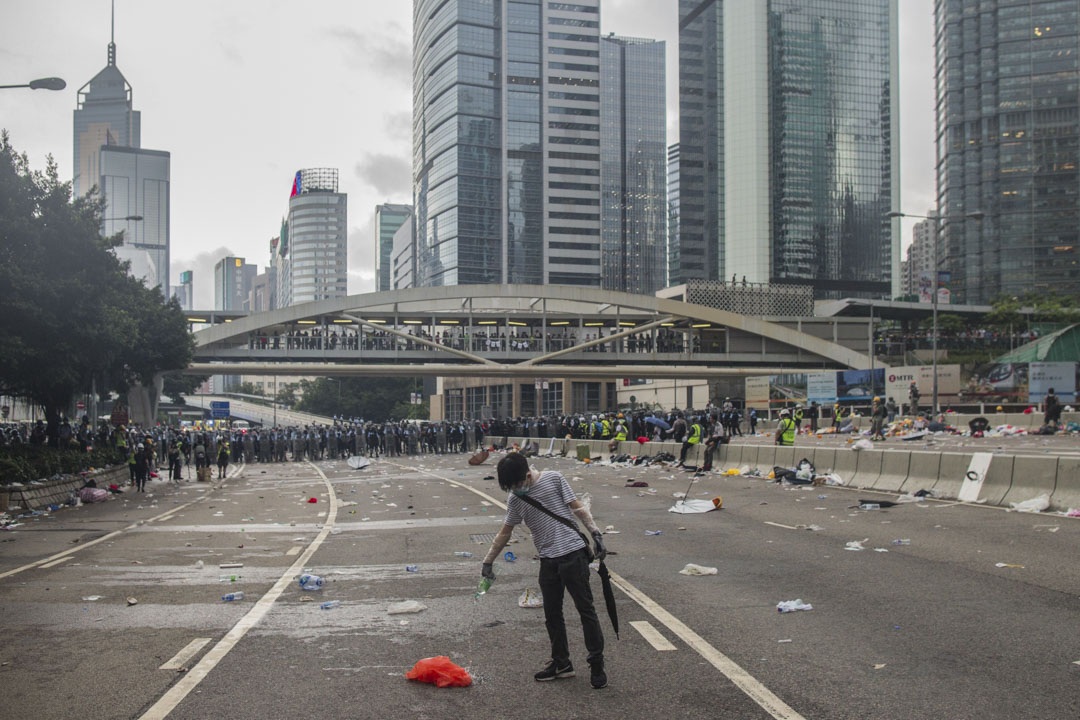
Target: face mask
{"points": [[521, 492]]}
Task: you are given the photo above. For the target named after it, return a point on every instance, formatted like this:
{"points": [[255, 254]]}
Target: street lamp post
{"points": [[941, 219], [49, 83]]}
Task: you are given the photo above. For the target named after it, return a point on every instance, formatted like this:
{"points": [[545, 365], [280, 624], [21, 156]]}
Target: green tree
{"points": [[948, 323], [71, 312], [177, 385], [367, 397], [1005, 314]]}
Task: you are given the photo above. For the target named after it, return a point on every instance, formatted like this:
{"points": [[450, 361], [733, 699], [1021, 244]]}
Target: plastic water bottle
{"points": [[509, 556], [869, 506], [310, 582], [228, 578], [330, 604], [484, 586], [232, 596], [905, 541], [412, 568], [462, 554]]}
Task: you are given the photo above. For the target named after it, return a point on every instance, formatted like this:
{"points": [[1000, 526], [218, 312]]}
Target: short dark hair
{"points": [[512, 470]]}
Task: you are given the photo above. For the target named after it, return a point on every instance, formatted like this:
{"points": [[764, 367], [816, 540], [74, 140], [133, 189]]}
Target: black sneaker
{"points": [[554, 672], [599, 677]]}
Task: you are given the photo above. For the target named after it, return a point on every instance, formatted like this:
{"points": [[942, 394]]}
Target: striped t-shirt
{"points": [[552, 538]]}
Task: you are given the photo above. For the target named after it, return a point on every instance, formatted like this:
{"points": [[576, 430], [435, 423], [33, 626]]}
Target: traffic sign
{"points": [[219, 404], [80, 405]]}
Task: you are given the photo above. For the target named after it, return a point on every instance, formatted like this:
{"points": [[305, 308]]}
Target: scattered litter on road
{"points": [[689, 507], [531, 599], [311, 582], [870, 506], [440, 671], [856, 545], [232, 597], [1073, 512], [199, 564], [903, 541], [225, 566], [406, 607], [462, 553], [412, 568], [654, 532], [132, 601], [878, 666], [786, 606], [507, 556], [692, 569], [881, 550], [91, 598], [781, 642], [637, 483], [610, 530], [862, 444], [313, 500], [1034, 505], [495, 623], [358, 463], [1008, 565]]}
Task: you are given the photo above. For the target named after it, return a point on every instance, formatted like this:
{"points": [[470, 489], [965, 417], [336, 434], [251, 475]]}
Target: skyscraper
{"points": [[1007, 146], [388, 218], [232, 283], [633, 165], [673, 199], [506, 122], [135, 182], [185, 291], [316, 244], [787, 115]]}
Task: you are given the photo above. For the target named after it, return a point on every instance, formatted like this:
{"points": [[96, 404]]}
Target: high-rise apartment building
{"points": [[788, 146], [133, 181], [921, 257], [673, 198], [633, 165], [506, 142], [388, 218], [232, 283], [1008, 147], [315, 246]]}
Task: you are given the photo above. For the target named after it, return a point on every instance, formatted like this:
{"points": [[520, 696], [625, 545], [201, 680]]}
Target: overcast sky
{"points": [[243, 93]]}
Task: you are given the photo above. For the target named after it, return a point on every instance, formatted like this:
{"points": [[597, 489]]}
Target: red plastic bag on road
{"points": [[313, 500], [441, 671]]}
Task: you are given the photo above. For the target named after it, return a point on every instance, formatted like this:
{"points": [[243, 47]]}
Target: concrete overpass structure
{"points": [[521, 331]]}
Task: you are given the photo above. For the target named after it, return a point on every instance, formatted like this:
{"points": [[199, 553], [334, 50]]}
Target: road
{"points": [[930, 629]]}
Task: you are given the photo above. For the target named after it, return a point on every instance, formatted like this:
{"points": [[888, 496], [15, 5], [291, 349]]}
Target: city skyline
{"points": [[264, 142]]}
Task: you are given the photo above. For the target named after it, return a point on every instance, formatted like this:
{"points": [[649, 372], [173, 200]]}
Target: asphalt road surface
{"points": [[931, 629]]}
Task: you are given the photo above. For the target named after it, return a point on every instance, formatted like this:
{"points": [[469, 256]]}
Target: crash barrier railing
{"points": [[1008, 478]]}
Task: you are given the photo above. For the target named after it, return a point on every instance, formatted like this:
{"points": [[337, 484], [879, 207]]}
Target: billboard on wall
{"points": [[898, 380], [998, 382], [855, 386], [1061, 376], [821, 387], [757, 392], [788, 388]]}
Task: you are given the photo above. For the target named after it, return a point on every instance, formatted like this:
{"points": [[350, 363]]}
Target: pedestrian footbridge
{"points": [[519, 331]]}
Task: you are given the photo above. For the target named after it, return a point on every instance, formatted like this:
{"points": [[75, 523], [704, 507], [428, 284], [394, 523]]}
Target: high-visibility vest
{"points": [[695, 434], [787, 431], [798, 415], [620, 431], [606, 428]]}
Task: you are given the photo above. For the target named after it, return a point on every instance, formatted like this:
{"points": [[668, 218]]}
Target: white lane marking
{"points": [[186, 653], [168, 702], [169, 516], [727, 667], [786, 527], [294, 550], [652, 635], [322, 514], [54, 563], [357, 526], [103, 538]]}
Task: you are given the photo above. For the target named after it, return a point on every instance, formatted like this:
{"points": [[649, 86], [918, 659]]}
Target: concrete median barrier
{"points": [[784, 457], [867, 468], [1067, 488], [845, 465], [894, 470], [1032, 475], [824, 459], [766, 458], [999, 478], [730, 457], [951, 474], [923, 470]]}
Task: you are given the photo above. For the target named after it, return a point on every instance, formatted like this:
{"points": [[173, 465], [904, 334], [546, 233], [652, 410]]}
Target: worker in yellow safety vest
{"points": [[785, 430], [620, 428], [605, 433], [692, 438]]}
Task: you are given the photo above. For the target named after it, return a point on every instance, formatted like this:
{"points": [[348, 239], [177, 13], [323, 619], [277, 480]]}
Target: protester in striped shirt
{"points": [[564, 559]]}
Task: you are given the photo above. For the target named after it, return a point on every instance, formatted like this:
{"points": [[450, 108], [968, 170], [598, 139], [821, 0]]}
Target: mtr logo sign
{"points": [[901, 378]]}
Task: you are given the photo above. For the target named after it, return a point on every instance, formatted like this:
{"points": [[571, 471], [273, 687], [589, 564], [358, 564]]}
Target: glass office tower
{"points": [[633, 165], [673, 198], [1007, 146], [316, 243], [388, 218], [788, 159], [135, 184], [506, 141]]}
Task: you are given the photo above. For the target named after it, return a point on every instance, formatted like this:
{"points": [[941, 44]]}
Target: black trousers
{"points": [[570, 572]]}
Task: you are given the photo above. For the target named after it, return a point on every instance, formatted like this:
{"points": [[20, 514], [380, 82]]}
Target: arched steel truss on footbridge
{"points": [[522, 331]]}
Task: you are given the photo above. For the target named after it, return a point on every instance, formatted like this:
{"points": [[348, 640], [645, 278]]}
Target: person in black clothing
{"points": [[1052, 406]]}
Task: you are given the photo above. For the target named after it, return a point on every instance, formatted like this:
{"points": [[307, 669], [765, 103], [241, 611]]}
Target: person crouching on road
{"points": [[564, 559], [786, 429]]}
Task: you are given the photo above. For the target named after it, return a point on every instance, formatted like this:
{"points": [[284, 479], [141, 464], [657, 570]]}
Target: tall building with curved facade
{"points": [[506, 141], [1008, 146], [314, 246]]}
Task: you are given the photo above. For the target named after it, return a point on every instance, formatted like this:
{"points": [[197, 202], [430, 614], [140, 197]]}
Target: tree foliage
{"points": [[71, 311], [376, 399]]}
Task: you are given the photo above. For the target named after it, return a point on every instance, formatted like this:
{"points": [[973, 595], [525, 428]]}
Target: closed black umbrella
{"points": [[609, 597]]}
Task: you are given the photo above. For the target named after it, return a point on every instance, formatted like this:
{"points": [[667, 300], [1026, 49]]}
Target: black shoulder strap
{"points": [[568, 523]]}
